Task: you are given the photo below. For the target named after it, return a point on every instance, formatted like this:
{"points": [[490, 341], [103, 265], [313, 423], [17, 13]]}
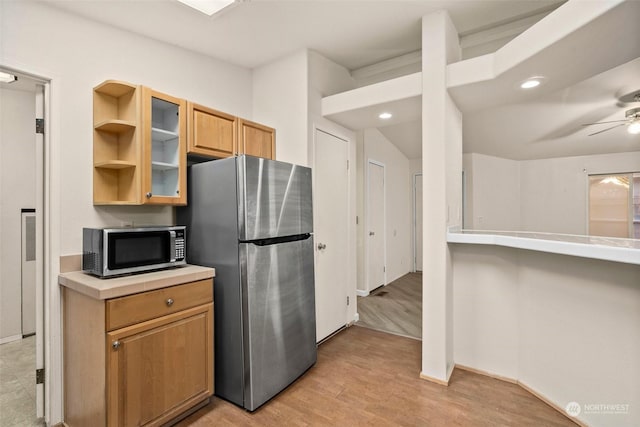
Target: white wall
{"points": [[397, 201], [567, 327], [554, 192], [280, 101], [548, 195], [495, 194], [17, 191], [442, 187], [79, 54]]}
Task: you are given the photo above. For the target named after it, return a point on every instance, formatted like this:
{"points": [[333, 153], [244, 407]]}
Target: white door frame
{"points": [[366, 224], [415, 219], [48, 302]]}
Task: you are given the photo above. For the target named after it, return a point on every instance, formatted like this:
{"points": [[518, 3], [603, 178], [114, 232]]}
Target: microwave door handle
{"points": [[172, 245]]}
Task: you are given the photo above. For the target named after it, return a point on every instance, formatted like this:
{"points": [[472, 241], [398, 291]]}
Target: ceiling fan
{"points": [[631, 117]]}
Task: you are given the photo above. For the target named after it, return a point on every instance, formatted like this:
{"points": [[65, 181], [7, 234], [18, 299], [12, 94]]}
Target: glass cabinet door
{"points": [[164, 149]]}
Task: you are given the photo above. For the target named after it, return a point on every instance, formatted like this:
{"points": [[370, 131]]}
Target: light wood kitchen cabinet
{"points": [[116, 147], [211, 133], [139, 146], [164, 130], [256, 140], [138, 360]]}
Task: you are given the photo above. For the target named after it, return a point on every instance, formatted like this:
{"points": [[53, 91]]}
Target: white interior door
{"points": [[330, 216], [417, 220], [28, 272], [375, 229]]}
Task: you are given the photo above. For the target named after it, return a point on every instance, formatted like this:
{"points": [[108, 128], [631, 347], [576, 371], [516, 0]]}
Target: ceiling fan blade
{"points": [[604, 130], [602, 123]]}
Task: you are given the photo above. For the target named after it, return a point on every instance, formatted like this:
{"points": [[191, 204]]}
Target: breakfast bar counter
{"points": [[595, 247]]}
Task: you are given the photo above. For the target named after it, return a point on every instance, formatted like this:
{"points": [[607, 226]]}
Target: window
{"points": [[614, 205]]}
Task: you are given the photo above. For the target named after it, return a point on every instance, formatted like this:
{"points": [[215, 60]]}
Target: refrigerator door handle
{"points": [[278, 240]]}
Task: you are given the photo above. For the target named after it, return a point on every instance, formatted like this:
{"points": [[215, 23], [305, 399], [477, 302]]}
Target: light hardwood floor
{"points": [[395, 308], [367, 377]]}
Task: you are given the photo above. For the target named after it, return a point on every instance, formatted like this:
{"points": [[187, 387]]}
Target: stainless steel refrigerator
{"points": [[251, 219]]}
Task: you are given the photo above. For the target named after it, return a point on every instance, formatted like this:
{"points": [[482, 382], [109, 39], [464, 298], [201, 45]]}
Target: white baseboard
{"points": [[356, 317], [10, 339], [362, 293]]}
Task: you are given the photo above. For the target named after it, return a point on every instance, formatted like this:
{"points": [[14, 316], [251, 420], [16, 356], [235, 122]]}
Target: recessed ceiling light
{"points": [[7, 78], [208, 7], [385, 116], [531, 83], [634, 128]]}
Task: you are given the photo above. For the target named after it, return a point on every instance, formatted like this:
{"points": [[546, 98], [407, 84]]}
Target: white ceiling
{"points": [[357, 33], [353, 33], [586, 73], [551, 125]]}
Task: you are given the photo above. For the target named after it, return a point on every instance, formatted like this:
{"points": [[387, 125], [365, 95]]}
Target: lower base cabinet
{"points": [[138, 360]]}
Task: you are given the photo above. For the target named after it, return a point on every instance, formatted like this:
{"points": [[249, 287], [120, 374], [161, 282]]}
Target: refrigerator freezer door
{"points": [[279, 318], [274, 198]]}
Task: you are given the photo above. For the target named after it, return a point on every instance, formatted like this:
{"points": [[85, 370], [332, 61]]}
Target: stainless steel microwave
{"points": [[114, 251]]}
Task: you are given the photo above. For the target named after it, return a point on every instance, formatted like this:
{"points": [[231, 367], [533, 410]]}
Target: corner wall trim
{"points": [[434, 380], [361, 293], [486, 374]]}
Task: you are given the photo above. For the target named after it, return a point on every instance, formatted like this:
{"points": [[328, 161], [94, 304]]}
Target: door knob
{"points": [[372, 233], [322, 246]]}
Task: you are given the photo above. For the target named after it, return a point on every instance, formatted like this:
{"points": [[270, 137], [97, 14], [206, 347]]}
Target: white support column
{"points": [[442, 193]]}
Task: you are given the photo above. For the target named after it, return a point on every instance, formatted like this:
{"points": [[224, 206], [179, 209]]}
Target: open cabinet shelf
{"points": [[115, 164], [115, 126], [116, 143]]}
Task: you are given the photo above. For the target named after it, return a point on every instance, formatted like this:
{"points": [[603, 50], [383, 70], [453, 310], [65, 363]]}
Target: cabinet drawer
{"points": [[137, 308]]}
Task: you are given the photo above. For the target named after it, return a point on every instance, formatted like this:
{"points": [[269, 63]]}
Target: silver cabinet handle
{"points": [[322, 246], [115, 345], [372, 233], [149, 195], [169, 302]]}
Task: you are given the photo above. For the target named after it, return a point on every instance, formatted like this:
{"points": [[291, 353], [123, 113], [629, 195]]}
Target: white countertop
{"points": [[97, 288], [596, 247]]}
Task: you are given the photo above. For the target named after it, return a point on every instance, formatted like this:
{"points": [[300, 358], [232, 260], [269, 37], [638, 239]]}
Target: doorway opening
{"points": [[22, 109], [394, 307], [417, 222]]}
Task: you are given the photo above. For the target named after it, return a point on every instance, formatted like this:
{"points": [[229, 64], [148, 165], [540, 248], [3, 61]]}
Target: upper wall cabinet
{"points": [[211, 133], [139, 152], [256, 140], [116, 147], [141, 138], [163, 149]]}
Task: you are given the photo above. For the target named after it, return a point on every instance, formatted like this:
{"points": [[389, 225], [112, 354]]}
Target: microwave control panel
{"points": [[179, 245]]}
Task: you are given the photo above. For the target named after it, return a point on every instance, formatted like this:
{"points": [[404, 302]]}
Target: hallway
{"points": [[395, 308]]}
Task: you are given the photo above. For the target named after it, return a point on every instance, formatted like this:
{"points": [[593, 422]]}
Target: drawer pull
{"points": [[115, 345], [169, 302]]}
